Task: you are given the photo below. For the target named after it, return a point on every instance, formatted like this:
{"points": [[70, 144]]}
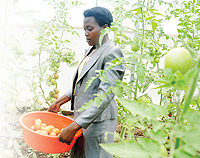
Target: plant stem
{"points": [[122, 132], [161, 99], [177, 107], [136, 86], [191, 88], [142, 30]]}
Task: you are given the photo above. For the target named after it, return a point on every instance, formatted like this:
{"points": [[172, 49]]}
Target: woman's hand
{"points": [[67, 134], [55, 107]]}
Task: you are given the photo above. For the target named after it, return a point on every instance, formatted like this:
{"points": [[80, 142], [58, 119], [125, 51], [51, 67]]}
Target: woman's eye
{"points": [[89, 29]]}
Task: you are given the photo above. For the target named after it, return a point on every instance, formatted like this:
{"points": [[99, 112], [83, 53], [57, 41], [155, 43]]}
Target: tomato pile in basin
{"points": [[46, 142]]}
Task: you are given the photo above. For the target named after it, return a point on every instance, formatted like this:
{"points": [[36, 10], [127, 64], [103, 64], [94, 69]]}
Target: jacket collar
{"points": [[93, 59]]}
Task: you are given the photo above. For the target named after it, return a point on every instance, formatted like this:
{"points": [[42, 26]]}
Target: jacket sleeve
{"points": [[116, 73], [69, 94]]}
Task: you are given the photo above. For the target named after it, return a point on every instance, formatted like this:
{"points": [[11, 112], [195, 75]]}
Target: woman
{"points": [[94, 121]]}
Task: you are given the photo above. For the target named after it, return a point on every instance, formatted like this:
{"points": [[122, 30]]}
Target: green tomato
{"points": [[118, 38], [49, 78], [56, 76], [57, 65], [178, 59], [52, 100], [48, 98], [157, 59], [53, 81], [143, 99], [152, 61], [135, 47]]}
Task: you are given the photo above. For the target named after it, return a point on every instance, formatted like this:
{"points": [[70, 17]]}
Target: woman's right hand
{"points": [[54, 107]]}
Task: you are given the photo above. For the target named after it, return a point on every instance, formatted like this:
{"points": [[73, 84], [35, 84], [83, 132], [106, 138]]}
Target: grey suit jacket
{"points": [[108, 108]]}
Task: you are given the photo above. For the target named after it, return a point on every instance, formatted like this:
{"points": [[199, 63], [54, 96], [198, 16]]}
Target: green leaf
{"points": [[103, 32], [140, 71], [86, 106], [158, 136], [98, 101], [191, 136], [99, 98], [117, 91], [132, 149], [154, 25], [104, 78], [182, 154], [128, 149], [150, 146], [128, 90], [88, 83], [150, 111], [193, 118], [189, 149]]}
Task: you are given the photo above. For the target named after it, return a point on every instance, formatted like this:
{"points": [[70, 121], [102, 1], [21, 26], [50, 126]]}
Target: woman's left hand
{"points": [[67, 134]]}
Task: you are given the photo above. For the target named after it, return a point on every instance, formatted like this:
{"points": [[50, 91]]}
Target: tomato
{"points": [[43, 125], [157, 59], [49, 78], [48, 98], [38, 120], [56, 130], [152, 61], [38, 131], [57, 65], [52, 134], [56, 91], [178, 59], [38, 124], [135, 47], [118, 38], [56, 76], [51, 126], [52, 100], [53, 81], [43, 132], [55, 96], [143, 99], [47, 129]]}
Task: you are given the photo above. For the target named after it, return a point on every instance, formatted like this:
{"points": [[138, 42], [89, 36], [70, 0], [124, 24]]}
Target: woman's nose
{"points": [[86, 33]]}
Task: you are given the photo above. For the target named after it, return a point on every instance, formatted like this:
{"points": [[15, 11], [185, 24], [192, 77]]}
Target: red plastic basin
{"points": [[46, 143]]}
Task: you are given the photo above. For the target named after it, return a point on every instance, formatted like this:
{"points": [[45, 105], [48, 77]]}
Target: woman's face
{"points": [[92, 30]]}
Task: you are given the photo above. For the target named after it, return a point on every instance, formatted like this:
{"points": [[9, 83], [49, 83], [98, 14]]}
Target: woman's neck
{"points": [[105, 39]]}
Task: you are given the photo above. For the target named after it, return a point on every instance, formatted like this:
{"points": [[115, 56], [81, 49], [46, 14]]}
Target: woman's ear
{"points": [[104, 26]]}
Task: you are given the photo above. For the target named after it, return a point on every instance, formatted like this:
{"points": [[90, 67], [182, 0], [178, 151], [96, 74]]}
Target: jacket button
{"points": [[78, 85]]}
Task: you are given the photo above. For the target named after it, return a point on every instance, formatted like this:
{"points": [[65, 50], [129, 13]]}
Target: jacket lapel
{"points": [[93, 59]]}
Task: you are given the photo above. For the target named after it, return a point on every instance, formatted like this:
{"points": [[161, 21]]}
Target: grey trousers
{"points": [[87, 146]]}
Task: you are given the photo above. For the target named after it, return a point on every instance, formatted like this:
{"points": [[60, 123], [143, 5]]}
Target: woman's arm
{"points": [[55, 106]]}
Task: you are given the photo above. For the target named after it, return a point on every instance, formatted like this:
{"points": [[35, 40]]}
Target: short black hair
{"points": [[102, 15]]}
